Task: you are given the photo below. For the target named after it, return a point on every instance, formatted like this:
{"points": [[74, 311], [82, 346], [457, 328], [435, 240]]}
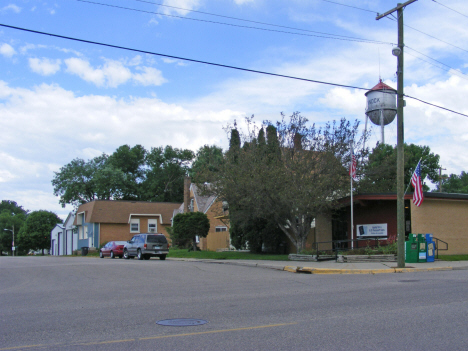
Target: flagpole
{"points": [[412, 175], [352, 217]]}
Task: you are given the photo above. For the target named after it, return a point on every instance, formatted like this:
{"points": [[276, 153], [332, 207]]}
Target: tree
{"points": [[187, 226], [35, 233], [301, 175], [76, 182], [129, 162], [165, 174], [130, 173], [455, 183], [379, 173], [12, 217], [207, 159]]}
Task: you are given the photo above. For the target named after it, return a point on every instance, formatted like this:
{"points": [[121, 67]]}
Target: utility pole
{"points": [[440, 178], [398, 51]]}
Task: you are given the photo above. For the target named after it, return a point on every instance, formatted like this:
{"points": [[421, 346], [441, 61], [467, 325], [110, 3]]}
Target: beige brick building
{"points": [[218, 237], [101, 221]]}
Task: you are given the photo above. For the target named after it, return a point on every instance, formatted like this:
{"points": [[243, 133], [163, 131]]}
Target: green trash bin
{"points": [[411, 249], [422, 254]]}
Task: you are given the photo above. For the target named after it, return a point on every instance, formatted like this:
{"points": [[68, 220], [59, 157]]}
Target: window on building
{"points": [[135, 225], [85, 234], [152, 226], [221, 229]]}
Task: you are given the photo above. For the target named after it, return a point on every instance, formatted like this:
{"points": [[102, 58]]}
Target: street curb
{"points": [[312, 270]]}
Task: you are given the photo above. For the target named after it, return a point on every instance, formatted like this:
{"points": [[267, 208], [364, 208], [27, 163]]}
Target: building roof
{"points": [[203, 202], [113, 211], [408, 196], [380, 86]]}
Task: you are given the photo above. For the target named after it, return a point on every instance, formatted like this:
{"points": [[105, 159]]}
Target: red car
{"points": [[112, 249]]}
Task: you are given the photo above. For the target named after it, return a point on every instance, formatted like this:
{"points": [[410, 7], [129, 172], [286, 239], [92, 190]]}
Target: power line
{"points": [[354, 7], [448, 69], [450, 8], [236, 18], [431, 36], [430, 104], [319, 35], [212, 63]]}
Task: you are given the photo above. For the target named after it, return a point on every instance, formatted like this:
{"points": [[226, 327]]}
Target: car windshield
{"points": [[161, 239], [120, 242]]}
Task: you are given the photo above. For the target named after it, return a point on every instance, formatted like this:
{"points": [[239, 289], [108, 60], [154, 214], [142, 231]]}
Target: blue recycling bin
{"points": [[430, 248]]}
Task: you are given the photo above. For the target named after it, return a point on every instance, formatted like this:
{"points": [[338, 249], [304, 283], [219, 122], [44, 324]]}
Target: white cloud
{"points": [[136, 61], [180, 7], [114, 73], [150, 76], [242, 2], [44, 66], [170, 60], [11, 7], [7, 50], [25, 48], [83, 69]]}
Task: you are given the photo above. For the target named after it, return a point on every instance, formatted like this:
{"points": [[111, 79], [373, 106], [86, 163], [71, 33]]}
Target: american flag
{"points": [[416, 181], [352, 165]]}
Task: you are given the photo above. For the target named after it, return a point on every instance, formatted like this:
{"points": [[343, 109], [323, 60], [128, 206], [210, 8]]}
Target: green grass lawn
{"points": [[453, 257], [230, 255]]}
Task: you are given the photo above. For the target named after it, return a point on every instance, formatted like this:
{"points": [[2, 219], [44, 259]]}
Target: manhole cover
{"points": [[181, 322], [408, 281]]}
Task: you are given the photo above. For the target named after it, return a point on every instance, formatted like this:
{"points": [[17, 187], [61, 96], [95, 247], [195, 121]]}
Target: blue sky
{"points": [[61, 99]]}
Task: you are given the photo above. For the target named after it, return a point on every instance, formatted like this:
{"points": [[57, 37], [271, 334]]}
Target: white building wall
{"points": [[55, 234]]}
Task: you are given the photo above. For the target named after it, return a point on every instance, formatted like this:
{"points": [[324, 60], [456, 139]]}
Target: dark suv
{"points": [[145, 246]]}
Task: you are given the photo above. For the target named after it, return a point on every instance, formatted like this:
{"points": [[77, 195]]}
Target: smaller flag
{"points": [[416, 181], [352, 165]]}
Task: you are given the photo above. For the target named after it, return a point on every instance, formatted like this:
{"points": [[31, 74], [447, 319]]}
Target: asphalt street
{"points": [[83, 303]]}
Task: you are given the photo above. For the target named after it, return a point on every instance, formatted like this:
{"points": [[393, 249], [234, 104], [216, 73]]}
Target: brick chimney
{"points": [[187, 183], [297, 141]]}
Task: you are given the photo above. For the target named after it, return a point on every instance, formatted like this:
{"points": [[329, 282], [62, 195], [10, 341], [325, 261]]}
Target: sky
{"points": [[62, 99]]}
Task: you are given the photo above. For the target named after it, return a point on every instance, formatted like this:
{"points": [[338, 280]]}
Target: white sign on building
{"points": [[371, 230]]}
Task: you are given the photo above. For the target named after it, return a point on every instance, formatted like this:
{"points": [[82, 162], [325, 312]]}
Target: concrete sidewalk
{"points": [[332, 267]]}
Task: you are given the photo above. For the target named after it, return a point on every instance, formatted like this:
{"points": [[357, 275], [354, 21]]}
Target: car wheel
{"points": [[162, 257], [126, 256], [139, 255], [146, 257], [112, 254], [101, 255], [120, 256]]}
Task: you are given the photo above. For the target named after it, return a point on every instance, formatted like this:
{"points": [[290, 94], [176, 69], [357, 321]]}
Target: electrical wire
{"points": [[448, 69], [450, 8], [354, 7], [431, 36], [322, 35], [229, 17], [211, 63]]}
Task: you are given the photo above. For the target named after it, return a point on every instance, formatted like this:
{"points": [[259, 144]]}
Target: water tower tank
{"points": [[381, 104]]}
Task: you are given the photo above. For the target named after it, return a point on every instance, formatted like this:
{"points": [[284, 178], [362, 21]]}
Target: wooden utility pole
{"points": [[440, 178], [400, 134]]}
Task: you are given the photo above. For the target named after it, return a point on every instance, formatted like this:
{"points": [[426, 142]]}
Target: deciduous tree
{"points": [[12, 217], [302, 175], [35, 233], [187, 226]]}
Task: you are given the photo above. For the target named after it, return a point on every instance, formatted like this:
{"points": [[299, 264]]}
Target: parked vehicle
{"points": [[112, 249], [145, 246]]}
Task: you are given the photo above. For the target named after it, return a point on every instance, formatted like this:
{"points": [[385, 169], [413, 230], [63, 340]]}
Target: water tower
{"points": [[381, 106]]}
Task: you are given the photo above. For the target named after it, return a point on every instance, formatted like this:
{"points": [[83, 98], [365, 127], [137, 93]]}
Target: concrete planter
{"points": [[295, 257]]}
